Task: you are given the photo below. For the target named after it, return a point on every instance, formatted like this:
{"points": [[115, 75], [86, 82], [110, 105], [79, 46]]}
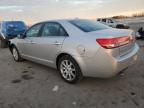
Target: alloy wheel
{"points": [[68, 70], [15, 54]]}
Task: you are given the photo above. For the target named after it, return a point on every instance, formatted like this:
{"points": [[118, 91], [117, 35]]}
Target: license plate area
{"points": [[123, 50]]}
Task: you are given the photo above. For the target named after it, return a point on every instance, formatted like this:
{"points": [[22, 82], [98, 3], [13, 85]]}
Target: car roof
{"points": [[56, 20], [60, 20]]}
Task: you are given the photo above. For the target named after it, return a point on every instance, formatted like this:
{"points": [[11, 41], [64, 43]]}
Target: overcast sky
{"points": [[37, 10]]}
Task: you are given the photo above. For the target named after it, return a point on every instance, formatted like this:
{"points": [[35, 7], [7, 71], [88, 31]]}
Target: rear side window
{"points": [[53, 29], [88, 26]]}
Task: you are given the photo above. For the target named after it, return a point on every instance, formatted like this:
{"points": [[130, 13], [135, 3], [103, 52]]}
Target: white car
{"points": [[113, 23], [77, 48]]}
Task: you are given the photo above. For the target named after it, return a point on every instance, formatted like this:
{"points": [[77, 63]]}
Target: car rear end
{"points": [[108, 50], [118, 50]]}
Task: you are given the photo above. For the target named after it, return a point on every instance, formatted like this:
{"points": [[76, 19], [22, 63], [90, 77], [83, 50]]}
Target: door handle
{"points": [[56, 43]]}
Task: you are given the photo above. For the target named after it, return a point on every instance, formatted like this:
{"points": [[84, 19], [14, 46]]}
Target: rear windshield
{"points": [[15, 25], [88, 26]]}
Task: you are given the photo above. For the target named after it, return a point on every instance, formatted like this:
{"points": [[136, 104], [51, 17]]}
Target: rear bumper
{"points": [[104, 65], [127, 60]]}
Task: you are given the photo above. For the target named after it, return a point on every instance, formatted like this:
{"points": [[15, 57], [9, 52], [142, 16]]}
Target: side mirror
{"points": [[21, 36]]}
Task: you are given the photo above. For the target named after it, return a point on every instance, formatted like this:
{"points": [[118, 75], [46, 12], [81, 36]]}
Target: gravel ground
{"points": [[30, 85]]}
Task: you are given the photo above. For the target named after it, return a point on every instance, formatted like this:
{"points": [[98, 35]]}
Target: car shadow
{"points": [[85, 81]]}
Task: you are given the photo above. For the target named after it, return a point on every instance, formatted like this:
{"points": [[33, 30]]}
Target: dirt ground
{"points": [[30, 85]]}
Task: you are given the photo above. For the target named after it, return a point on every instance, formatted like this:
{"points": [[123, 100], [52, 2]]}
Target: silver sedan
{"points": [[77, 48]]}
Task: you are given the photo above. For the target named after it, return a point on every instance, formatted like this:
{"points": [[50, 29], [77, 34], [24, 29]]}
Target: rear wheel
{"points": [[16, 54], [69, 69]]}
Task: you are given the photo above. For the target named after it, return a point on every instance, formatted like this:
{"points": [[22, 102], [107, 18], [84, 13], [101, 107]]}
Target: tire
{"points": [[70, 73], [16, 55]]}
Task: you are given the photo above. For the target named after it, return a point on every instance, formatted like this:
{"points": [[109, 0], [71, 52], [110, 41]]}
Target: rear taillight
{"points": [[110, 43]]}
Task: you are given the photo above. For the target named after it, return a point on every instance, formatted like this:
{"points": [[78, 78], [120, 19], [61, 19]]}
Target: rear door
{"points": [[50, 42]]}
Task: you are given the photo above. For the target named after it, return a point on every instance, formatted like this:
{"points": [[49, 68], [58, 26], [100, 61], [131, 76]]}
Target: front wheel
{"points": [[16, 55], [69, 69]]}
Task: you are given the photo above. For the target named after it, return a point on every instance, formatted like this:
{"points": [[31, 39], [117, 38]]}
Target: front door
{"points": [[28, 45]]}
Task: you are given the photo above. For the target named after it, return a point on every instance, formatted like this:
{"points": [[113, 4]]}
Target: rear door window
{"points": [[53, 29]]}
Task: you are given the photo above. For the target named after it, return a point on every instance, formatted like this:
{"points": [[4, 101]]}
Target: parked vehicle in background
{"points": [[10, 30], [77, 48], [113, 23], [140, 33]]}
